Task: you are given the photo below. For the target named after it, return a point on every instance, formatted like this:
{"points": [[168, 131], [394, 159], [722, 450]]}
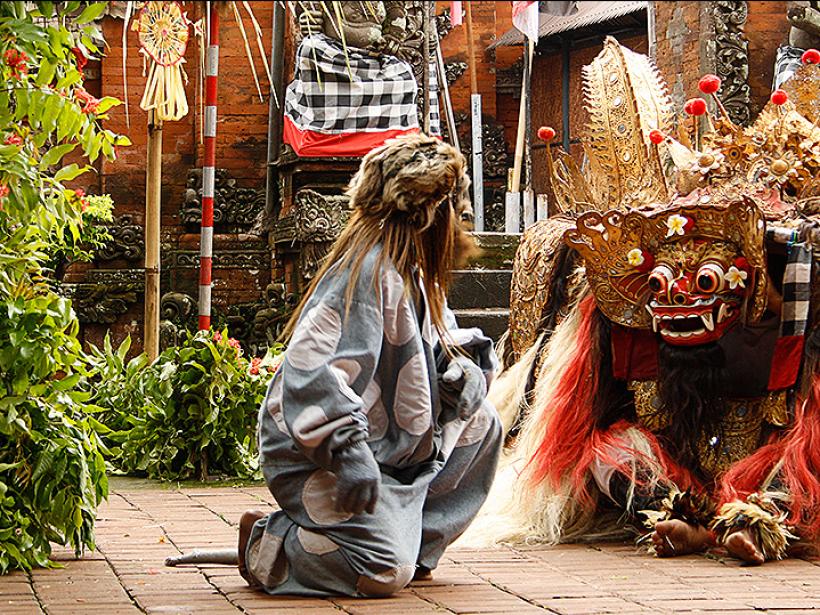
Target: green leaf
{"points": [[46, 72], [106, 103], [90, 12], [55, 154], [70, 172]]}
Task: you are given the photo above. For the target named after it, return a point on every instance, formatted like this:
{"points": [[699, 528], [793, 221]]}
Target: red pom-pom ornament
{"points": [[742, 263], [695, 106], [810, 56], [779, 97], [656, 136], [709, 84], [546, 133]]}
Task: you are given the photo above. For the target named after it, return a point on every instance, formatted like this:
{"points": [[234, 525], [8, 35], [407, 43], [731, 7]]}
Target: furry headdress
{"points": [[410, 176]]}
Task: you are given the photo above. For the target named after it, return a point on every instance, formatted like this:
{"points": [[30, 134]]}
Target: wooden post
{"points": [[475, 113], [425, 51], [445, 96], [153, 182]]}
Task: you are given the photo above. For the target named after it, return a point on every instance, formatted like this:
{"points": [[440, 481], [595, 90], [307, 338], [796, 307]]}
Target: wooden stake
{"points": [[522, 120], [425, 51], [153, 182], [476, 127]]}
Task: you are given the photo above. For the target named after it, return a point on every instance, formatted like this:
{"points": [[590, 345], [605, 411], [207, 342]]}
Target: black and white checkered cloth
{"points": [[361, 93], [796, 291], [786, 64]]}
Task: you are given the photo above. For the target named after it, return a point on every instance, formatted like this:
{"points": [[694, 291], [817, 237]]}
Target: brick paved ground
{"points": [[141, 525]]}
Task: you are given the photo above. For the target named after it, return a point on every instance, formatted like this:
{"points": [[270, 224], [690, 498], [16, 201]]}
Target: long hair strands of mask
{"points": [[691, 382], [408, 196]]}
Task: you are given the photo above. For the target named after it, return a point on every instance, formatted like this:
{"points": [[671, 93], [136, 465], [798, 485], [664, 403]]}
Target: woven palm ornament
{"points": [[163, 34]]}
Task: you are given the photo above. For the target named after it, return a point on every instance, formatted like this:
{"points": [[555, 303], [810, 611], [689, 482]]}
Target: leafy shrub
{"points": [[51, 468], [192, 413]]}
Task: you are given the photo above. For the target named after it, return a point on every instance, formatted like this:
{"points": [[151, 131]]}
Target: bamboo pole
{"points": [[475, 114], [153, 182]]}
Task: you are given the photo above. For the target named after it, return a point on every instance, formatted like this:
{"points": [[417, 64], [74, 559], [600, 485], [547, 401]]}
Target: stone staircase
{"points": [[480, 295]]}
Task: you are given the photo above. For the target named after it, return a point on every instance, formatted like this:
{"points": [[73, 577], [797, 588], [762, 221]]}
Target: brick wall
{"points": [[241, 136], [685, 39]]}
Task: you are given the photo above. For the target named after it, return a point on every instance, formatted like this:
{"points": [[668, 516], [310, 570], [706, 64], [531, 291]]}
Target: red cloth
{"points": [[634, 353], [309, 143], [788, 354]]}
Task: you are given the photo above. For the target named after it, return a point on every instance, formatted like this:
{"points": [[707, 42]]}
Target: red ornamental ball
{"points": [[811, 56], [546, 133], [779, 97], [656, 136], [695, 106], [742, 263], [709, 84]]}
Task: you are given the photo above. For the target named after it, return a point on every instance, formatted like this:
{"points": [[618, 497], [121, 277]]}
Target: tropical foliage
{"points": [[190, 414], [52, 472]]}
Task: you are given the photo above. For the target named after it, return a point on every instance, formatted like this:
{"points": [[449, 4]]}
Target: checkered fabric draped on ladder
{"points": [[376, 93]]}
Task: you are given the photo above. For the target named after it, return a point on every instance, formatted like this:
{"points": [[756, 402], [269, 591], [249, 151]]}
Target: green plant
{"points": [[52, 472], [191, 413], [95, 209]]}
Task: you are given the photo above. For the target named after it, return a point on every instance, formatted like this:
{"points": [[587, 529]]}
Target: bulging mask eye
{"points": [[709, 278], [660, 278]]}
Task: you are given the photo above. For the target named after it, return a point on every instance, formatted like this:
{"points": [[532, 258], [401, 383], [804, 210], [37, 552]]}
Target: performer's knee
{"points": [[385, 583]]}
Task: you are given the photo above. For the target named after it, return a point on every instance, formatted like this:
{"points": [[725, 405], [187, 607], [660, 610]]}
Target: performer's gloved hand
{"points": [[464, 378], [357, 479]]}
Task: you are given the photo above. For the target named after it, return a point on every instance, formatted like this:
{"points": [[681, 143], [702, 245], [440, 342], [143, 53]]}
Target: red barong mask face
{"points": [[686, 271], [697, 289]]}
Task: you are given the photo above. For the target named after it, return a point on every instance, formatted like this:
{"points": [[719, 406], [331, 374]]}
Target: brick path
{"points": [[141, 525]]}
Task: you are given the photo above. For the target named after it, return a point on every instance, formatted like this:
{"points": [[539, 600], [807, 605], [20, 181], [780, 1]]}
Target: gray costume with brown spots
{"points": [[369, 375]]}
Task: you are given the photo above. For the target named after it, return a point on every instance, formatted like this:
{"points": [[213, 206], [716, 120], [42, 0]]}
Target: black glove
{"points": [[357, 479], [464, 378]]}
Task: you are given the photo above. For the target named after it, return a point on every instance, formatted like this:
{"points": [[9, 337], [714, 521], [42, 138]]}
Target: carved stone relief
{"points": [[105, 295], [233, 206], [257, 325], [127, 241], [454, 70], [496, 157], [732, 58]]}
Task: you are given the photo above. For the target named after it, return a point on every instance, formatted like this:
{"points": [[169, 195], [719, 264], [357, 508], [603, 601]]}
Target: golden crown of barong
{"points": [[727, 182]]}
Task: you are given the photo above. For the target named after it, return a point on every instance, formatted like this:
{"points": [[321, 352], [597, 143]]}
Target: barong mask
{"points": [[688, 272], [682, 247]]}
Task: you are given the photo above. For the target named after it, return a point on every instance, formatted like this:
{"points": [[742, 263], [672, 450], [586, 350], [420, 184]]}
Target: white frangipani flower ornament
{"points": [[735, 277], [676, 225]]}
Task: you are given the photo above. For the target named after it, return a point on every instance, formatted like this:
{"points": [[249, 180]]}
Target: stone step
{"points": [[497, 250], [492, 321], [480, 288]]}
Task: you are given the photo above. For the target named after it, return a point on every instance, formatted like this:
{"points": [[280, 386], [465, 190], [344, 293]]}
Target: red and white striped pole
{"points": [[207, 234]]}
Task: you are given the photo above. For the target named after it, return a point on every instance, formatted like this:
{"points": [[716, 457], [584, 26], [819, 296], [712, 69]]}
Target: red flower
{"points": [[811, 56], [254, 369], [656, 136], [233, 343], [4, 191], [546, 133], [217, 336], [16, 60], [779, 97], [709, 84], [13, 139], [88, 102], [81, 59], [79, 192], [695, 106]]}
